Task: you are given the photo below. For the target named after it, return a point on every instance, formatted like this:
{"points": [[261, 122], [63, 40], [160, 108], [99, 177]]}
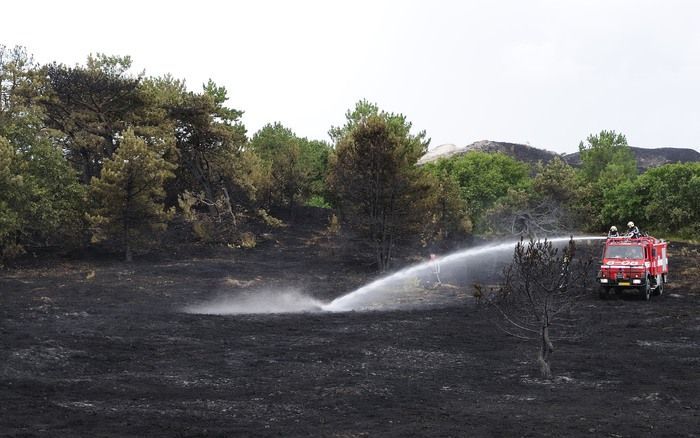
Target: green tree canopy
{"points": [[670, 198], [449, 217], [13, 198], [18, 79], [88, 106], [482, 178], [128, 195], [209, 136], [315, 155], [607, 171], [297, 165], [281, 149], [608, 148], [556, 180], [40, 197]]}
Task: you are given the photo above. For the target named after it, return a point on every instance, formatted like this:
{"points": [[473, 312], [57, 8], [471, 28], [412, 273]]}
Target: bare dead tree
{"points": [[546, 217], [540, 288]]}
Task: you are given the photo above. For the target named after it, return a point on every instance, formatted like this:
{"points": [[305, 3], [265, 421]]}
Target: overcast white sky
{"points": [[543, 72]]}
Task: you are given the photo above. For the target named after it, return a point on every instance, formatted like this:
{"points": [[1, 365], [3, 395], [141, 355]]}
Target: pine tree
{"points": [[129, 196], [380, 190]]}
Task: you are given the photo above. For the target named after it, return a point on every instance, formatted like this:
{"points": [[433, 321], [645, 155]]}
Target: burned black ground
{"points": [[103, 349]]}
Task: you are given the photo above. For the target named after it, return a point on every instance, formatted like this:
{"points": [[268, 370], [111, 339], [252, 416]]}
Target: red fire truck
{"points": [[640, 263]]}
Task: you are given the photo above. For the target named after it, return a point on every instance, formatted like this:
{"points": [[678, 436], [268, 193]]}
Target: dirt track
{"points": [[103, 349]]}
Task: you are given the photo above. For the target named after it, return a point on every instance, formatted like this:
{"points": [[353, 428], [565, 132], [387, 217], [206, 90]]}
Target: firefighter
{"points": [[632, 231], [436, 267], [613, 232]]}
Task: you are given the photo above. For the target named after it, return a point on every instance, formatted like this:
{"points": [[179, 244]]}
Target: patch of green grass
{"points": [[318, 201]]}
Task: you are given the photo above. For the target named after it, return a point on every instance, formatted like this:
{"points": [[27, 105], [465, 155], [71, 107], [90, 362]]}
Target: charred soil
{"points": [[103, 348]]}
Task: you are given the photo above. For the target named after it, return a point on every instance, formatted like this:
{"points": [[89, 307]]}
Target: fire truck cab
{"points": [[639, 263]]}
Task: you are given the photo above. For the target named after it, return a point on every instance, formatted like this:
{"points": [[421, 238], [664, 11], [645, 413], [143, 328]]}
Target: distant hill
{"points": [[646, 158], [520, 152]]}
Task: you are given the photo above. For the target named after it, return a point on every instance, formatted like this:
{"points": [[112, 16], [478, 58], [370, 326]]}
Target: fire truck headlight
{"points": [[603, 280], [637, 281]]}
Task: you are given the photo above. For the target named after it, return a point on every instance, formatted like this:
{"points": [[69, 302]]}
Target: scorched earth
{"points": [[104, 348]]}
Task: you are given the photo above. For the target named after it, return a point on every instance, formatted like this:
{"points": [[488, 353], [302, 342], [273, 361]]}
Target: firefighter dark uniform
{"points": [[632, 231]]}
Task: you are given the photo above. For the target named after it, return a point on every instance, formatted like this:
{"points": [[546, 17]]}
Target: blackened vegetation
{"points": [[540, 288]]}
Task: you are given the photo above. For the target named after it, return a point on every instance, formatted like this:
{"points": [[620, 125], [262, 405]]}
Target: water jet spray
{"points": [[400, 290]]}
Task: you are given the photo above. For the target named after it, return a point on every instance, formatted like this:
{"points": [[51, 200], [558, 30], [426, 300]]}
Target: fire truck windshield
{"points": [[624, 252]]}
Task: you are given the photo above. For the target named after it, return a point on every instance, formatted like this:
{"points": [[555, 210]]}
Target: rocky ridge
{"points": [[646, 158]]}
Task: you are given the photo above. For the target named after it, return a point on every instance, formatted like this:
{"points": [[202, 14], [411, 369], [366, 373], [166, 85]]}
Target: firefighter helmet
{"points": [[630, 224], [613, 228]]}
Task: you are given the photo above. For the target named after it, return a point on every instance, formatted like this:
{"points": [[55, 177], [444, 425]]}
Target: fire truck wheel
{"points": [[659, 285], [645, 291]]}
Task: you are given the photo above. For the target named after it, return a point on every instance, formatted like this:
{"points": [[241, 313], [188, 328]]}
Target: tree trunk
{"points": [[378, 254], [87, 169], [201, 176], [128, 255], [291, 207], [229, 207], [108, 146], [127, 226], [546, 350]]}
